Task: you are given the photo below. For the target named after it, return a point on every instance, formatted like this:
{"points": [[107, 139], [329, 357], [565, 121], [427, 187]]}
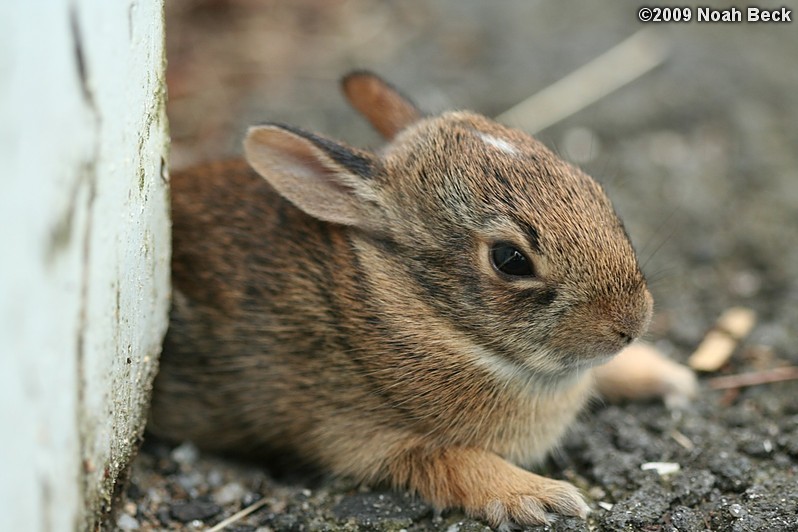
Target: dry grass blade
{"points": [[755, 378], [605, 74], [239, 515]]}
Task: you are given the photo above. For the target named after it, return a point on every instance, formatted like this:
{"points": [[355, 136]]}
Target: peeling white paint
{"points": [[84, 250]]}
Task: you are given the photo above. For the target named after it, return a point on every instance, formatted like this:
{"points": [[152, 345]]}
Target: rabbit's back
{"points": [[253, 281]]}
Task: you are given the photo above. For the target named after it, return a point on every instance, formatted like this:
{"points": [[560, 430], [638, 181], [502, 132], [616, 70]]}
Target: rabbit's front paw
{"points": [[489, 487], [533, 504]]}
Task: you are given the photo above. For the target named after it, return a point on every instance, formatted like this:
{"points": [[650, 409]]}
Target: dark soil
{"points": [[700, 157]]}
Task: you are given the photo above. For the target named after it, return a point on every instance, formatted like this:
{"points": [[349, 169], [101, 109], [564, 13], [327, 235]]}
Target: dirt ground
{"points": [[700, 157]]}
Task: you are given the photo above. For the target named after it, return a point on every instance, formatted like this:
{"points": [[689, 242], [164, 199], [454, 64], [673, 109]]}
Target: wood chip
{"points": [[682, 440], [719, 343]]}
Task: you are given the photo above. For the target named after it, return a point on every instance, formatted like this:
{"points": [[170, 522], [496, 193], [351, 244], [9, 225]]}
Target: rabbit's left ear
{"points": [[326, 179], [383, 106]]}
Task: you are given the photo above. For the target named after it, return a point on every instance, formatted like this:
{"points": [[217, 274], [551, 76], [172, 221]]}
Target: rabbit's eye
{"points": [[507, 259]]}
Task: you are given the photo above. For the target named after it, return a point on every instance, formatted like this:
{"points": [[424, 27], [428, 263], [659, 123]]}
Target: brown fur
{"points": [[361, 326]]}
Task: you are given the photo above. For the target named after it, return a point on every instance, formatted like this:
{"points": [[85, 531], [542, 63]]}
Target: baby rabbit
{"points": [[427, 316]]}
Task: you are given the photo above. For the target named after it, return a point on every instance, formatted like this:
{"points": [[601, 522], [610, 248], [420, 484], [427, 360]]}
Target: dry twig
{"points": [[239, 515], [787, 373], [606, 73]]}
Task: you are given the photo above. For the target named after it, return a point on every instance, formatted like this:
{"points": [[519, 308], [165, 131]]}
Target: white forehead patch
{"points": [[499, 144]]}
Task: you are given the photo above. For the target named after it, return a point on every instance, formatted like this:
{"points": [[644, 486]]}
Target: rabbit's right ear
{"points": [[381, 104], [327, 180]]}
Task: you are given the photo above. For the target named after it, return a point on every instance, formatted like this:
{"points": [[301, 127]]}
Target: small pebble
{"points": [[127, 522], [194, 511], [130, 508], [164, 516], [155, 496], [229, 493], [746, 283], [251, 498], [215, 478], [185, 454], [736, 510], [191, 480]]}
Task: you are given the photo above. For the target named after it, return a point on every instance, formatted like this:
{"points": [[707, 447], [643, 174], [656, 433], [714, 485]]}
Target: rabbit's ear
{"points": [[381, 104], [327, 180]]}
